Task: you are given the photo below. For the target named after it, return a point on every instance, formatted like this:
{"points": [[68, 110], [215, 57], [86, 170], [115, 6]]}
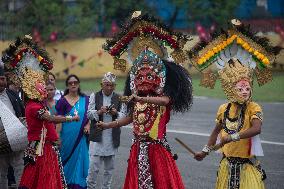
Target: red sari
{"points": [[41, 171], [151, 164]]}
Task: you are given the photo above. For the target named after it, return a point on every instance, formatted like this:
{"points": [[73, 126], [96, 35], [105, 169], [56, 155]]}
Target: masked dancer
{"points": [[155, 86], [238, 54], [29, 63]]}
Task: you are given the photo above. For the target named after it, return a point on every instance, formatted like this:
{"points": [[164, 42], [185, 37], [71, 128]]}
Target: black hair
{"points": [[66, 84], [50, 73], [178, 87]]}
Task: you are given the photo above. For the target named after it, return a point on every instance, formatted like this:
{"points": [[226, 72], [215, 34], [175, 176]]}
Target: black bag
{"points": [[95, 132]]}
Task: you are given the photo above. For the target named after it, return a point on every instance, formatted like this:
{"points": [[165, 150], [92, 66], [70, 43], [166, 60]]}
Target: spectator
{"points": [[104, 106], [50, 101], [74, 143], [12, 160], [52, 79]]}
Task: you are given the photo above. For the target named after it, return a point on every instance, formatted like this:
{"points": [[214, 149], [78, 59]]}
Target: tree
{"points": [[75, 19], [118, 11], [41, 15], [208, 12], [80, 20]]}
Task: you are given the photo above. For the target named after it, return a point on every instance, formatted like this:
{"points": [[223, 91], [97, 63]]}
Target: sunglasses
{"points": [[108, 85], [73, 82]]}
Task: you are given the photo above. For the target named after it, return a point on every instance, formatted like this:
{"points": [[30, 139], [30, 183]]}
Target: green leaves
{"points": [[69, 19]]}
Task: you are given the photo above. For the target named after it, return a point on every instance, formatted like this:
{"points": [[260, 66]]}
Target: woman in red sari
{"points": [[28, 64]]}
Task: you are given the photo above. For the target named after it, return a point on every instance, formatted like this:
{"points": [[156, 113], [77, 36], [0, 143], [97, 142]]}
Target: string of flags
{"points": [[73, 60], [66, 55]]}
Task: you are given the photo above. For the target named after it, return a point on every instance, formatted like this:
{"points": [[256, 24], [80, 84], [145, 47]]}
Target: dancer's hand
{"points": [[199, 156], [134, 98], [102, 125]]}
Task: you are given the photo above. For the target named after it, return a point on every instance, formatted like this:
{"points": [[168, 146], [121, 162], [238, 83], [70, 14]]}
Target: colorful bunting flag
{"points": [[100, 53], [81, 63], [65, 54], [55, 50], [73, 58], [66, 71]]}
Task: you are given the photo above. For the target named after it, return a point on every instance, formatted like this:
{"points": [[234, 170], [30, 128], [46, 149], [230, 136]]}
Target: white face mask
{"points": [[243, 91]]}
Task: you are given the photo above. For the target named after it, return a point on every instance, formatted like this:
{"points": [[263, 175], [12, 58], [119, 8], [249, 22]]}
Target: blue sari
{"points": [[74, 144]]}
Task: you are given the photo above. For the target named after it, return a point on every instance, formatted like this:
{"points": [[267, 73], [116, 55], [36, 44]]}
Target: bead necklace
{"points": [[233, 125]]}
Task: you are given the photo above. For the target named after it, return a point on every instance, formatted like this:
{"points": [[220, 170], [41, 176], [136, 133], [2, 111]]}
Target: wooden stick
{"points": [[185, 146]]}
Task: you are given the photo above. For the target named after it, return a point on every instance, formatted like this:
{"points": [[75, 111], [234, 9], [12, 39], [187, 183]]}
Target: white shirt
{"points": [[105, 147], [57, 95]]}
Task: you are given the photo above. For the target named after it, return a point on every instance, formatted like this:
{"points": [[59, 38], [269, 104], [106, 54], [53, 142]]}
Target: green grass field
{"points": [[271, 92]]}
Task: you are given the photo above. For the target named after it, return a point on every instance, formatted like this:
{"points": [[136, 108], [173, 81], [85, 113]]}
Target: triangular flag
{"points": [[57, 74], [72, 66], [81, 63], [73, 58], [66, 71], [55, 50], [100, 53], [64, 54]]}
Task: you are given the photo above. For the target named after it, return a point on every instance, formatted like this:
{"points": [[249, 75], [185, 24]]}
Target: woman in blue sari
{"points": [[74, 143]]}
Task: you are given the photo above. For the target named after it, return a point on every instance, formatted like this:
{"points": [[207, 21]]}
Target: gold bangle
{"points": [[68, 118]]}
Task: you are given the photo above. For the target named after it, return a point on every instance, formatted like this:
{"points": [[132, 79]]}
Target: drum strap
{"points": [[39, 150]]}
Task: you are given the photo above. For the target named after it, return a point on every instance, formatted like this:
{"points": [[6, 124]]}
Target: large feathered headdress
{"points": [[233, 50], [145, 31], [26, 64], [145, 40]]}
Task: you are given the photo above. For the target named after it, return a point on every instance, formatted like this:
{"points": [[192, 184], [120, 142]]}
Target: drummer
{"points": [[11, 164]]}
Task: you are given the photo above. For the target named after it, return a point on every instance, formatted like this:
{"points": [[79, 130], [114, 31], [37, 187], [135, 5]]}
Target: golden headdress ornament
{"points": [[27, 64], [145, 31], [230, 75]]}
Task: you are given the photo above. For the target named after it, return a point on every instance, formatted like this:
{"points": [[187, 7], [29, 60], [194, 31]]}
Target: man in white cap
{"points": [[104, 106]]}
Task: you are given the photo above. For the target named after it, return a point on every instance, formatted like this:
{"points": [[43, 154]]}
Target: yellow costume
{"points": [[250, 176], [240, 148], [238, 55]]}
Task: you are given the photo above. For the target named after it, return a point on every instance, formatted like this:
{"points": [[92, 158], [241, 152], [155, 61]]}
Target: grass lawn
{"points": [[271, 92]]}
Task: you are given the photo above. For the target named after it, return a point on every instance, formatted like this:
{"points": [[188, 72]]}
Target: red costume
{"points": [[41, 171], [151, 164], [27, 64]]}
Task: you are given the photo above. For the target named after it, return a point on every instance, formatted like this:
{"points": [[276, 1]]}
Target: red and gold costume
{"points": [[151, 164], [28, 64]]}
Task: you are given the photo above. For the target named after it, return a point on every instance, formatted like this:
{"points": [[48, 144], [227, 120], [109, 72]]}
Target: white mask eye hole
{"points": [[149, 77]]}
